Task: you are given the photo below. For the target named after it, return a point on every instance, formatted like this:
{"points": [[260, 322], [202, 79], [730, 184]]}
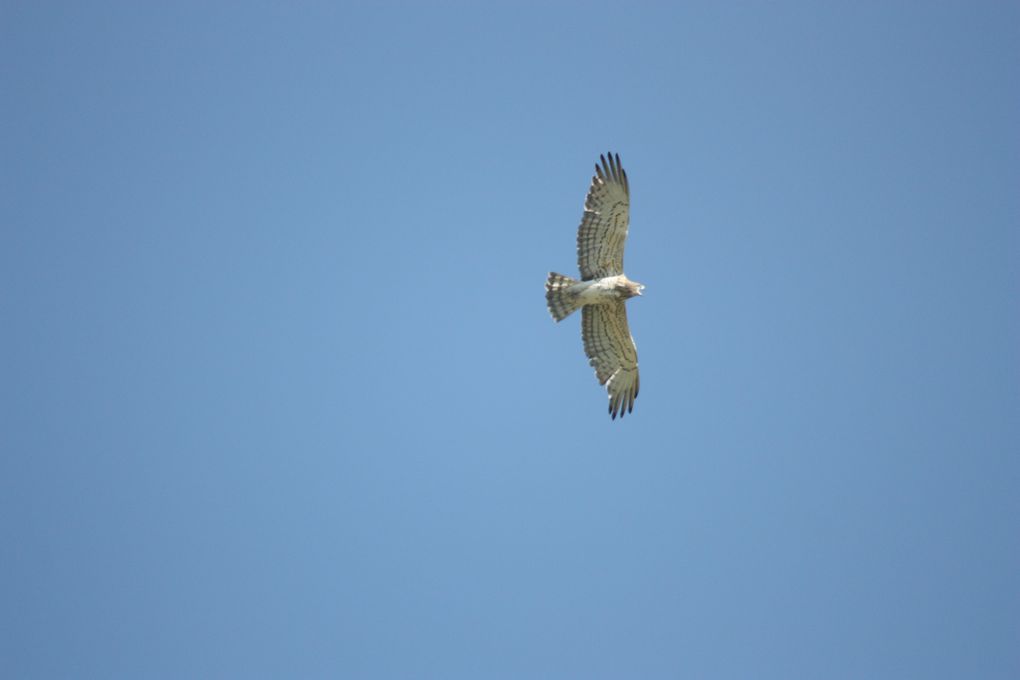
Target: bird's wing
{"points": [[603, 230], [612, 352]]}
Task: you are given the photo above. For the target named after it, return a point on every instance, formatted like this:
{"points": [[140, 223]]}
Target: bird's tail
{"points": [[559, 297]]}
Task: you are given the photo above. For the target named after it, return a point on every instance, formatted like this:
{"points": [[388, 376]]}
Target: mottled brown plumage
{"points": [[603, 289]]}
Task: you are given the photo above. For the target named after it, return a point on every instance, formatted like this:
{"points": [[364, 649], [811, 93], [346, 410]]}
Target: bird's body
{"points": [[603, 288], [571, 294], [608, 289]]}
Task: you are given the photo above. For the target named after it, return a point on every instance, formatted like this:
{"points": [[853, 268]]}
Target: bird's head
{"points": [[632, 288]]}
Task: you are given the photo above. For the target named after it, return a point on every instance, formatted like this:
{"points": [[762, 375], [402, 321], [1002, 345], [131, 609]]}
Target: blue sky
{"points": [[281, 397]]}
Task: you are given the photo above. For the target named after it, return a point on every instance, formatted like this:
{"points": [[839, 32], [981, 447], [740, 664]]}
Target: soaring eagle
{"points": [[603, 288]]}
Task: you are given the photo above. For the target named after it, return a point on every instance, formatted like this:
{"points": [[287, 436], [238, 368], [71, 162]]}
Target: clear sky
{"points": [[280, 396]]}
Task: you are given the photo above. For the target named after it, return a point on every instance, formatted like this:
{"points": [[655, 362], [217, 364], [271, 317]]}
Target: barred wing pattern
{"points": [[603, 230], [613, 354]]}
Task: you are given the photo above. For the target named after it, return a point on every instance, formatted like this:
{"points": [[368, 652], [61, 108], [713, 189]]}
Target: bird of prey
{"points": [[603, 288]]}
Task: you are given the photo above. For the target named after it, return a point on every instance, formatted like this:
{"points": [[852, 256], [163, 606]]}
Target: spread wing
{"points": [[603, 230], [611, 351]]}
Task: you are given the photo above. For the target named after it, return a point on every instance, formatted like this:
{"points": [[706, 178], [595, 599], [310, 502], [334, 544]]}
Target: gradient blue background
{"points": [[281, 397]]}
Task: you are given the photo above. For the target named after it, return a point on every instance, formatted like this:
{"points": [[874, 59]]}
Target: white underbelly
{"points": [[596, 292]]}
